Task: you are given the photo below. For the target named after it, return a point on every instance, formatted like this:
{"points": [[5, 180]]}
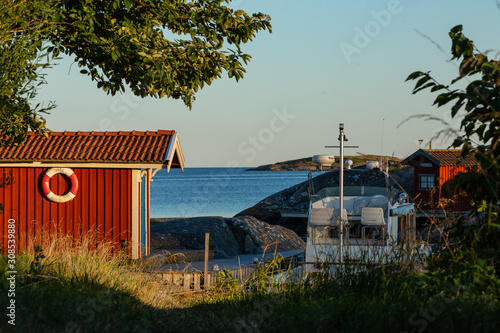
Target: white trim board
{"points": [[174, 146], [136, 215]]}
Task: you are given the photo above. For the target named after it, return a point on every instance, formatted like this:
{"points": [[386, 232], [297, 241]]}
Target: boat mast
{"points": [[342, 222], [341, 194]]}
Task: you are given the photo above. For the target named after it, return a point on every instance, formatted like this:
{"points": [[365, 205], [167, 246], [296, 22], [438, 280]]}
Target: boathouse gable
{"points": [[112, 202], [433, 168]]}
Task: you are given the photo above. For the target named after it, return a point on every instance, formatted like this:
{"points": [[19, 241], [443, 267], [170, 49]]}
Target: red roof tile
{"points": [[443, 157], [449, 157], [120, 146]]}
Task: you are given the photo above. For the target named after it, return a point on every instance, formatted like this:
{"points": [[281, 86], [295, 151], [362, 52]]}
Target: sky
{"points": [[326, 62]]}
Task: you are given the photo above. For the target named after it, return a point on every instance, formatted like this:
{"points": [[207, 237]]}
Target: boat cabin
{"points": [[373, 221], [364, 224]]}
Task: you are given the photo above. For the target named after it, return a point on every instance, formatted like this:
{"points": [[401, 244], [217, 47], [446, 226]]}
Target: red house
{"points": [[432, 168], [83, 184]]}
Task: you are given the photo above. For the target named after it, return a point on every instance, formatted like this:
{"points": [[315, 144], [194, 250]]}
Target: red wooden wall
{"points": [[461, 201], [423, 197], [101, 210], [429, 199]]}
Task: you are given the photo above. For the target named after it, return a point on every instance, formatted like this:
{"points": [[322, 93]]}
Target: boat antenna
{"points": [[382, 145]]}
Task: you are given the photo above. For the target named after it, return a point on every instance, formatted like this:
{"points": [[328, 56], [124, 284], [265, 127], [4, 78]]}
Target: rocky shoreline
{"points": [[303, 164], [306, 163], [229, 237]]}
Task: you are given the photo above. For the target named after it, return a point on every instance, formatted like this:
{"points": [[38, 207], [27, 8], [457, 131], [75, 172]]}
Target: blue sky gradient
{"points": [[326, 62]]}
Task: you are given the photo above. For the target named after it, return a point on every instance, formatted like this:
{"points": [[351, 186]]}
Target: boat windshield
{"points": [[352, 191]]}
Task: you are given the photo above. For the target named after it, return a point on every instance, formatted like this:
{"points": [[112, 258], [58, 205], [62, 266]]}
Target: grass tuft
{"points": [[67, 288]]}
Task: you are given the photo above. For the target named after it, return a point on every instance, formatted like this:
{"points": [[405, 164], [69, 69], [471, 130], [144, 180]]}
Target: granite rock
{"points": [[228, 237], [255, 236], [190, 234]]}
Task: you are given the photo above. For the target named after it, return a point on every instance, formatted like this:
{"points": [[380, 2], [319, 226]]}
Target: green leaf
{"points": [[430, 84], [458, 105], [456, 29], [495, 104], [438, 87], [422, 81], [415, 75], [115, 55], [490, 68], [445, 98]]}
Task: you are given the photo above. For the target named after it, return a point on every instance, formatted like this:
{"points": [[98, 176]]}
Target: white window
{"points": [[323, 234], [426, 182]]}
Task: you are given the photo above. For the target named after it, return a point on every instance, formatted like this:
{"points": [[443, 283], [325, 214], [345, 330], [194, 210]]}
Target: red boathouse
{"points": [[93, 184], [432, 168]]}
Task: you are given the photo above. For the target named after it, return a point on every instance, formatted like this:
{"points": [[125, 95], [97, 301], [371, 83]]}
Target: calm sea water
{"points": [[215, 191]]}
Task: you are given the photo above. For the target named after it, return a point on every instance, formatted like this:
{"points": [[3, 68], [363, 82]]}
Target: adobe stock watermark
{"points": [[439, 305], [363, 36], [258, 142], [121, 108], [420, 320], [435, 307], [248, 150], [88, 310], [254, 320], [11, 273], [234, 3]]}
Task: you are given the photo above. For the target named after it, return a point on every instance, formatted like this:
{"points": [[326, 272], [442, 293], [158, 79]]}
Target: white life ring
{"points": [[60, 198]]}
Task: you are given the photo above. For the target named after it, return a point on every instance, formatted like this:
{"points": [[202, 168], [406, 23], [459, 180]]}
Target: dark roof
{"points": [[442, 157], [144, 147]]}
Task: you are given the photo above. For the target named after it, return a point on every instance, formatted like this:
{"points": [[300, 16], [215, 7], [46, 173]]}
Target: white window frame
{"points": [[427, 177]]}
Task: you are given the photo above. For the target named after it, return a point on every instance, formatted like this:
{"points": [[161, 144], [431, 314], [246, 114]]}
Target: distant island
{"points": [[304, 164]]}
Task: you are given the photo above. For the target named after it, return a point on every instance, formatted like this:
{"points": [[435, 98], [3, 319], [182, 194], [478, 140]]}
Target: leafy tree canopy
{"points": [[156, 48], [22, 60], [472, 248], [481, 124]]}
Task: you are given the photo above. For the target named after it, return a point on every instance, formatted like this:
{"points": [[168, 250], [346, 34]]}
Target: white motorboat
{"points": [[356, 224]]}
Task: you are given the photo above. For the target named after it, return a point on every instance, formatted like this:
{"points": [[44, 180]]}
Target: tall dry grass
{"points": [[83, 262]]}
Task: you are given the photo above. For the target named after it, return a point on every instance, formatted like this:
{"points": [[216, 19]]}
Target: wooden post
{"points": [[206, 284], [187, 281], [177, 279], [197, 281]]}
